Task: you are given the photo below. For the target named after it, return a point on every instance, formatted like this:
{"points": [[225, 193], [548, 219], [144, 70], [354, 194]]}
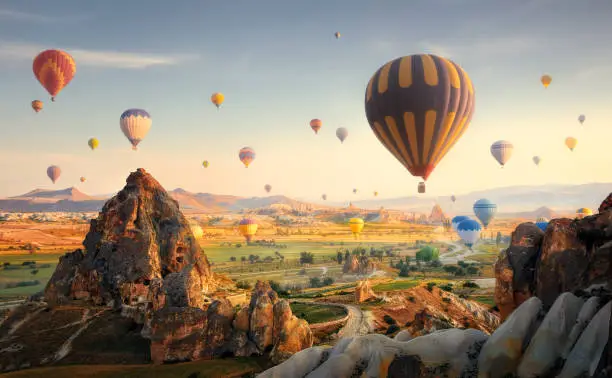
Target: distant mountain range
{"points": [[515, 201]]}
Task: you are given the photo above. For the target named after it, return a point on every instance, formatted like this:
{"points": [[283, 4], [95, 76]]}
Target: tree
{"points": [[243, 259], [328, 281], [428, 253], [404, 271], [315, 282], [339, 257], [450, 268], [435, 263], [306, 258], [472, 270], [498, 240], [347, 255], [233, 258]]}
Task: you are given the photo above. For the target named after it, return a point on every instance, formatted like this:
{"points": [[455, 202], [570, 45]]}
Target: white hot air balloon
{"points": [[135, 124], [502, 151], [469, 232], [536, 160]]}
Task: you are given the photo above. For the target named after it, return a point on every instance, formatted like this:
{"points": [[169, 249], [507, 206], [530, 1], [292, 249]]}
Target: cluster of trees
{"points": [[269, 243], [306, 258], [318, 282], [463, 269]]}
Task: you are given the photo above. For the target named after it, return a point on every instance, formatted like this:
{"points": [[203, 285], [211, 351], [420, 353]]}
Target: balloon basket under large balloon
{"points": [[421, 187], [53, 99]]}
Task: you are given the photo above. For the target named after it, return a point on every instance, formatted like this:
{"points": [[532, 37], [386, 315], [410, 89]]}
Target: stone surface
{"points": [[363, 291]]}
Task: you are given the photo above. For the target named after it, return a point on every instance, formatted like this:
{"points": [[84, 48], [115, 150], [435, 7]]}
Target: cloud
{"points": [[33, 17], [482, 47], [95, 58], [598, 73]]}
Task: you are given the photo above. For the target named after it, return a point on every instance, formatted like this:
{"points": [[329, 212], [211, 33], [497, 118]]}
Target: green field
{"points": [[399, 284], [12, 276], [316, 313], [231, 367]]}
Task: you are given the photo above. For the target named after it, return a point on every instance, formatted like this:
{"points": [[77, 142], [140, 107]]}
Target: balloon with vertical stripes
{"points": [[419, 106]]}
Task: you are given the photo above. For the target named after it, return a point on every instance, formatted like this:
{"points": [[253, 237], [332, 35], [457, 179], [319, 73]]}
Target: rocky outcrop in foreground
{"points": [[144, 291], [566, 342]]}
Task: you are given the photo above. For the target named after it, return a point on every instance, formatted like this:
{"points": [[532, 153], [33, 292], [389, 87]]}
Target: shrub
{"points": [[243, 285], [328, 281], [315, 282], [411, 299], [471, 285], [389, 320], [430, 286], [392, 329], [446, 299], [447, 287]]}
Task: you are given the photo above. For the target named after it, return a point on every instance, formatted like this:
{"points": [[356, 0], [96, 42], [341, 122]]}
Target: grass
{"points": [[234, 367], [484, 299], [316, 313], [400, 284], [24, 274]]}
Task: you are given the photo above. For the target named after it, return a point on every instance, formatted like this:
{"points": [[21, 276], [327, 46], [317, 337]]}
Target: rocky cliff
{"points": [[144, 291]]}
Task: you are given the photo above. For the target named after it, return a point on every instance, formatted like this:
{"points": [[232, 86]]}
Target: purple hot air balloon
{"points": [[54, 172]]}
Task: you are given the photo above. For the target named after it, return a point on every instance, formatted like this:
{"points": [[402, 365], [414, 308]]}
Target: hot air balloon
{"points": [[54, 172], [583, 212], [337, 34], [418, 107], [205, 164], [316, 124], [196, 230], [246, 155], [342, 133], [542, 223], [268, 187], [356, 226], [469, 232], [536, 160], [82, 179], [453, 198], [247, 228], [355, 191], [135, 124], [485, 211], [54, 69], [571, 143], [93, 143], [324, 196], [546, 80], [502, 151], [217, 99], [37, 105], [375, 194], [458, 219], [581, 118]]}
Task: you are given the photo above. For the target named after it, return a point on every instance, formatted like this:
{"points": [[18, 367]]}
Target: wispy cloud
{"points": [[11, 14], [96, 58], [482, 48]]}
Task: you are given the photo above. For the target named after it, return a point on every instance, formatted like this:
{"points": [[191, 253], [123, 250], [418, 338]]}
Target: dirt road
{"points": [[357, 324]]}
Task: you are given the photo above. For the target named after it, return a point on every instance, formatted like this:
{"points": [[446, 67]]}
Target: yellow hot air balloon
{"points": [[375, 194], [196, 230], [356, 225], [205, 163], [37, 105], [571, 143], [217, 99], [93, 143], [248, 228], [583, 212], [82, 179], [546, 80]]}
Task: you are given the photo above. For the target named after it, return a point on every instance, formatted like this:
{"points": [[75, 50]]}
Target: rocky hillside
{"points": [[142, 291], [554, 291]]}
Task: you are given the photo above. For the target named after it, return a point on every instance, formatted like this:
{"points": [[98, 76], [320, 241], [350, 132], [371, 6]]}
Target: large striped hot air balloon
{"points": [[54, 172], [246, 155], [419, 106], [135, 124], [485, 211], [37, 105], [502, 151], [315, 125], [458, 219], [356, 226], [469, 232], [54, 69], [248, 228]]}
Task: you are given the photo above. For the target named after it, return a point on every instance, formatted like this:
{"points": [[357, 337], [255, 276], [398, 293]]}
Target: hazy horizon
{"points": [[279, 65]]}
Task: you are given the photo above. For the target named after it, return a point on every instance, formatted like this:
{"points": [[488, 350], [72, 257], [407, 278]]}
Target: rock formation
{"points": [[144, 290], [437, 215], [358, 265], [363, 291]]}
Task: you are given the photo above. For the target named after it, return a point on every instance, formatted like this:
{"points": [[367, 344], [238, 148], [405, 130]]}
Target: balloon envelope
{"points": [[536, 160], [485, 211], [342, 133], [37, 105], [356, 225], [546, 80], [583, 212], [581, 118], [82, 179], [316, 125], [93, 143], [135, 125], [502, 151], [571, 143], [268, 187], [453, 198], [458, 219], [246, 155], [469, 232], [542, 223], [205, 163], [54, 69], [217, 99], [248, 228], [418, 107], [324, 196], [54, 172]]}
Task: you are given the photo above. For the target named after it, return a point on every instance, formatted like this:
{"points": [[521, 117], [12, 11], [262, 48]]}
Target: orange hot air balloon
{"points": [[316, 124], [571, 143], [546, 80], [82, 179], [37, 105], [54, 69]]}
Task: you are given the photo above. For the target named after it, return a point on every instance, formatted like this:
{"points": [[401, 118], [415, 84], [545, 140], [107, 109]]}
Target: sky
{"points": [[279, 65]]}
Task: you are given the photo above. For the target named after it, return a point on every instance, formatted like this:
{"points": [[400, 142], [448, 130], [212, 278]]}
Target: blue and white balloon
{"points": [[485, 211], [458, 219], [469, 232]]}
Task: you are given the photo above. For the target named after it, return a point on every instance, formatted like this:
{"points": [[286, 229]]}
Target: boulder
{"points": [[363, 291], [289, 334]]}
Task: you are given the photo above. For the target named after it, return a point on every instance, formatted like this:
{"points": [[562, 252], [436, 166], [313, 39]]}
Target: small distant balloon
{"points": [[546, 80], [54, 172], [135, 125], [82, 179], [324, 196], [93, 143], [37, 105], [217, 99], [342, 133], [268, 187], [246, 155], [502, 151], [337, 34], [453, 198], [375, 194], [536, 160], [571, 143], [205, 164], [355, 191], [581, 118], [316, 124]]}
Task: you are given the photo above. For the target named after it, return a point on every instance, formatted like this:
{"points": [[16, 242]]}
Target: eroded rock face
{"points": [[139, 236], [358, 265], [363, 291]]}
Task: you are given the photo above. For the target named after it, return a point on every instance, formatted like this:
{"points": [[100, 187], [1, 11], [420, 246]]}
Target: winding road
{"points": [[357, 324]]}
